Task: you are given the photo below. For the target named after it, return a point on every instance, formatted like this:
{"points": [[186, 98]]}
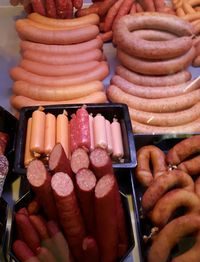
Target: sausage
{"points": [[133, 8], [40, 226], [150, 34], [100, 162], [165, 119], [168, 180], [154, 92], [162, 105], [147, 5], [28, 232], [153, 49], [183, 149], [23, 252], [106, 226], [33, 207], [50, 9], [45, 254], [73, 133], [38, 7], [58, 161], [159, 5], [61, 59], [28, 31], [4, 169], [174, 231], [64, 9], [99, 127], [69, 212], [86, 182], [79, 160], [109, 137], [150, 67], [90, 250], [91, 120], [191, 166], [191, 127], [62, 131], [118, 150], [98, 73], [144, 80], [20, 101], [107, 36], [56, 93], [139, 8], [4, 138], [61, 49], [83, 129], [148, 156], [40, 181], [197, 186], [28, 157], [37, 132], [196, 61], [58, 70], [50, 133], [170, 202]]}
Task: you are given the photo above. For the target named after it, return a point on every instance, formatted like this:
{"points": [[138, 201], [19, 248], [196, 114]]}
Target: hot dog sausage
{"points": [[99, 127], [50, 133], [118, 149]]}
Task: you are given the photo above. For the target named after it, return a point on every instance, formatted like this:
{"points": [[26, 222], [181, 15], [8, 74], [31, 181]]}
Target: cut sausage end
{"points": [[99, 157], [79, 160], [104, 186], [62, 184], [85, 179], [36, 173]]}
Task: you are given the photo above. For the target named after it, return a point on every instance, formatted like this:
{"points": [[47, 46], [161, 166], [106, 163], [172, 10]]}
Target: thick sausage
{"points": [[73, 133], [162, 105], [154, 92], [69, 212], [143, 80], [79, 160], [58, 70], [165, 119], [90, 250], [151, 67], [64, 9], [40, 181], [38, 7], [98, 73], [50, 9], [147, 157], [173, 231], [62, 49], [58, 161], [106, 226], [109, 137], [23, 252], [170, 202], [91, 120], [153, 49], [56, 93], [62, 59], [77, 3], [164, 183], [50, 133], [86, 182], [21, 101], [27, 31], [100, 162]]}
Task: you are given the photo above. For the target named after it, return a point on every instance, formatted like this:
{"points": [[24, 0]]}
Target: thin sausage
{"points": [[144, 80], [117, 141], [21, 101], [32, 33], [4, 138], [50, 133], [64, 9], [150, 67], [77, 3], [98, 73], [164, 183]]}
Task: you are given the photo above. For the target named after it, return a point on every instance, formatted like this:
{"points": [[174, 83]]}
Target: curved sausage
{"points": [[27, 31], [165, 119], [98, 73], [154, 92], [170, 202], [148, 156], [159, 67], [168, 180], [144, 80], [21, 101], [153, 49], [192, 166], [153, 35], [62, 49], [162, 105], [173, 231]]}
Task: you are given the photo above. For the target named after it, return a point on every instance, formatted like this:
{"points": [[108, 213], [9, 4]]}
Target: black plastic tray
{"points": [[144, 226], [119, 111]]}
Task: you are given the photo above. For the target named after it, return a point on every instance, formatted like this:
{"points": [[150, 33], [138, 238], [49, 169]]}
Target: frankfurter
{"points": [[98, 73], [50, 133], [99, 127], [118, 149], [165, 207], [92, 19], [61, 49], [73, 133], [27, 31], [150, 34], [175, 230], [144, 80], [159, 186], [148, 156], [158, 67], [20, 101], [154, 92]]}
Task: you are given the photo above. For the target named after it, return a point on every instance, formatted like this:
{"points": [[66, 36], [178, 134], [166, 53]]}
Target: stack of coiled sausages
{"points": [[166, 191], [62, 62], [155, 50]]}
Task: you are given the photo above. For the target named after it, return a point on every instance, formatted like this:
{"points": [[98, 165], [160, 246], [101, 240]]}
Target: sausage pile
{"points": [[171, 182], [62, 62], [155, 51], [111, 11], [44, 130], [73, 215]]}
